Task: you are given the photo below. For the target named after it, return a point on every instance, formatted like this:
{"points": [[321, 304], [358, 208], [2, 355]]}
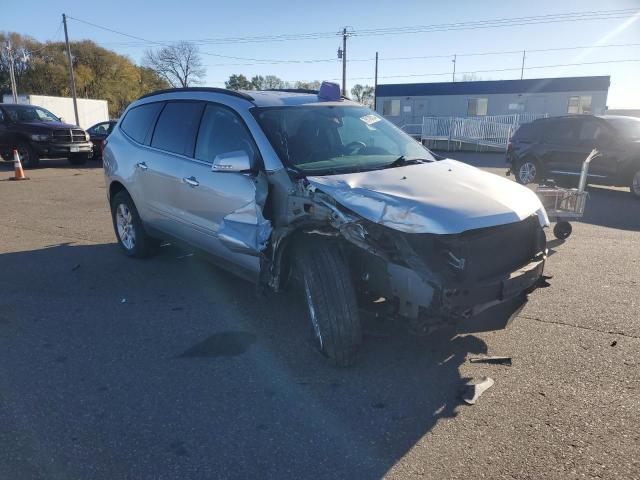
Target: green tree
{"points": [[238, 82], [41, 68], [268, 82], [314, 85], [363, 94]]}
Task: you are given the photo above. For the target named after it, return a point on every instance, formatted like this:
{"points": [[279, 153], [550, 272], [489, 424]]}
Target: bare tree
{"points": [[180, 64]]}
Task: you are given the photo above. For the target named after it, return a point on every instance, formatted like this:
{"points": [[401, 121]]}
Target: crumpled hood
{"points": [[441, 197]]}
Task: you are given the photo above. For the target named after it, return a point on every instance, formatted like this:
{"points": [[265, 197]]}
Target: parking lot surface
{"points": [[170, 368]]}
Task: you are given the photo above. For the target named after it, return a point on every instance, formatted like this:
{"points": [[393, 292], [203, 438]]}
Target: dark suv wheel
{"points": [[527, 170], [331, 301]]}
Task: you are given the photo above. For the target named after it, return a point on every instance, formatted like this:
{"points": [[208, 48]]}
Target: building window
{"points": [[579, 105], [477, 107], [391, 108]]}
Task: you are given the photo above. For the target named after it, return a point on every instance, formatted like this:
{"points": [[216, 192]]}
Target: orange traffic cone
{"points": [[19, 172]]}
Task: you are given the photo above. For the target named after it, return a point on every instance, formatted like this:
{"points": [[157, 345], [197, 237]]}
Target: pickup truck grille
{"points": [[69, 136]]}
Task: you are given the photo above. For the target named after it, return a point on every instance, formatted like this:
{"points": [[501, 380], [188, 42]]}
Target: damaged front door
{"points": [[223, 193]]}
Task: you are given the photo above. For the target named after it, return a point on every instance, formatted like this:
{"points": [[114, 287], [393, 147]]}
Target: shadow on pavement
{"points": [[173, 351], [608, 207]]}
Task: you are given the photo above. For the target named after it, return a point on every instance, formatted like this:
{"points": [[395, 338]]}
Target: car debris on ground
{"points": [[491, 359], [472, 391]]}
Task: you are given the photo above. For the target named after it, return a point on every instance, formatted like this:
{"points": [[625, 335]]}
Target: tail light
{"points": [[509, 147]]}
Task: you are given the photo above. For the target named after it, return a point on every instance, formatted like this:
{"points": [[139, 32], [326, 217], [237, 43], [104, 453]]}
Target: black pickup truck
{"points": [[36, 132]]}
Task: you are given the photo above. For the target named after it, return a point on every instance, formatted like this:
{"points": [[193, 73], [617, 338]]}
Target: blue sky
{"points": [[164, 21]]}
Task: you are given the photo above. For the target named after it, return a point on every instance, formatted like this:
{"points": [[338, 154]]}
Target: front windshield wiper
{"points": [[401, 161]]}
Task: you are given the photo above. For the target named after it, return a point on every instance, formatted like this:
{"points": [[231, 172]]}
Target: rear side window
{"points": [[222, 131], [560, 131], [527, 133], [139, 121], [177, 127]]}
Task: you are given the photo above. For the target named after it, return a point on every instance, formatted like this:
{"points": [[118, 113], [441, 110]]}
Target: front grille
{"points": [[69, 136], [486, 252]]}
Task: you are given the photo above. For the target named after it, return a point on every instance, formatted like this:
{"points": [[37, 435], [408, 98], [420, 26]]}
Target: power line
{"points": [[503, 69], [491, 23], [449, 55]]}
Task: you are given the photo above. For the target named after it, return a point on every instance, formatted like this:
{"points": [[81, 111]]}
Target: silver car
{"points": [[315, 191]]}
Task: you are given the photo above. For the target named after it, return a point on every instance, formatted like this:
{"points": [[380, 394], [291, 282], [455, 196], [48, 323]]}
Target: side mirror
{"points": [[237, 161], [61, 119]]}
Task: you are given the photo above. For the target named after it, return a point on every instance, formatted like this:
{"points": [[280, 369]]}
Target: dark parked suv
{"points": [[36, 132], [554, 148]]}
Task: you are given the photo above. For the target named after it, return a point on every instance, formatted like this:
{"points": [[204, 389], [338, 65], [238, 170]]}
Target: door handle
{"points": [[191, 181], [142, 166]]}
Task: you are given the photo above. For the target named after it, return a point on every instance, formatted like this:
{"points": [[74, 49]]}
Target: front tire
{"points": [[331, 301], [129, 228], [527, 171], [634, 187], [28, 156]]}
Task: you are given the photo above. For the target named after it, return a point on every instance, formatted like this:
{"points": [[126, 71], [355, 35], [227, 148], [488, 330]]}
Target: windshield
{"points": [[626, 127], [328, 139], [30, 114]]}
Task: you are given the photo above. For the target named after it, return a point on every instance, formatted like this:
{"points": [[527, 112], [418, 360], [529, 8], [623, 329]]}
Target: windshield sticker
{"points": [[370, 119]]}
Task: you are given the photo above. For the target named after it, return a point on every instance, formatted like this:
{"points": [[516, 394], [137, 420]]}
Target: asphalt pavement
{"points": [[170, 368]]}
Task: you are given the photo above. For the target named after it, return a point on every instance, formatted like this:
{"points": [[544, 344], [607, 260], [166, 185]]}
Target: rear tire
{"points": [[129, 228], [331, 301], [634, 187], [527, 171]]}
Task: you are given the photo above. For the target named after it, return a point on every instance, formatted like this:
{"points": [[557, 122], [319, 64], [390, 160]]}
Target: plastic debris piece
{"points": [[614, 343], [491, 359], [185, 256], [75, 267], [472, 391], [124, 300]]}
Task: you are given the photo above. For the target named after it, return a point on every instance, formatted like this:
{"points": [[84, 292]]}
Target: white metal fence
{"points": [[488, 131]]}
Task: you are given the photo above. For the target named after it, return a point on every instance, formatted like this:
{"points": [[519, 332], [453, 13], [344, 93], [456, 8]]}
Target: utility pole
{"points": [[375, 85], [72, 80], [454, 68], [524, 54], [12, 73], [344, 61]]}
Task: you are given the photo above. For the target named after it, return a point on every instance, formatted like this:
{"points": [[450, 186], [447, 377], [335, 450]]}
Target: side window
{"points": [[391, 108], [477, 107], [99, 129], [593, 131], [177, 127], [139, 121], [579, 105], [222, 131], [560, 132]]}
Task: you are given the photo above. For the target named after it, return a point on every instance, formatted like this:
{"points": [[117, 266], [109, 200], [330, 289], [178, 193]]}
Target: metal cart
{"points": [[563, 204]]}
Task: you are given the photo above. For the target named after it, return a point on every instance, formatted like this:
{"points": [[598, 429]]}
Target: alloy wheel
{"points": [[126, 228], [527, 172]]}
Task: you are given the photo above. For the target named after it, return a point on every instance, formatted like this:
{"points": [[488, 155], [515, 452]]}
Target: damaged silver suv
{"points": [[309, 189]]}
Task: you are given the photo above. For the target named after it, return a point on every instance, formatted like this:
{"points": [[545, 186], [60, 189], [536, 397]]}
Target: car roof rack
{"points": [[298, 90], [292, 90], [224, 91]]}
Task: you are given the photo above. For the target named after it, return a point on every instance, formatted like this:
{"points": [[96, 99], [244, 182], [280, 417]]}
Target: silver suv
{"points": [[310, 189]]}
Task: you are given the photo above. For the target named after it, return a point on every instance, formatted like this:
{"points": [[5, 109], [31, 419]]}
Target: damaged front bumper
{"points": [[456, 277]]}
